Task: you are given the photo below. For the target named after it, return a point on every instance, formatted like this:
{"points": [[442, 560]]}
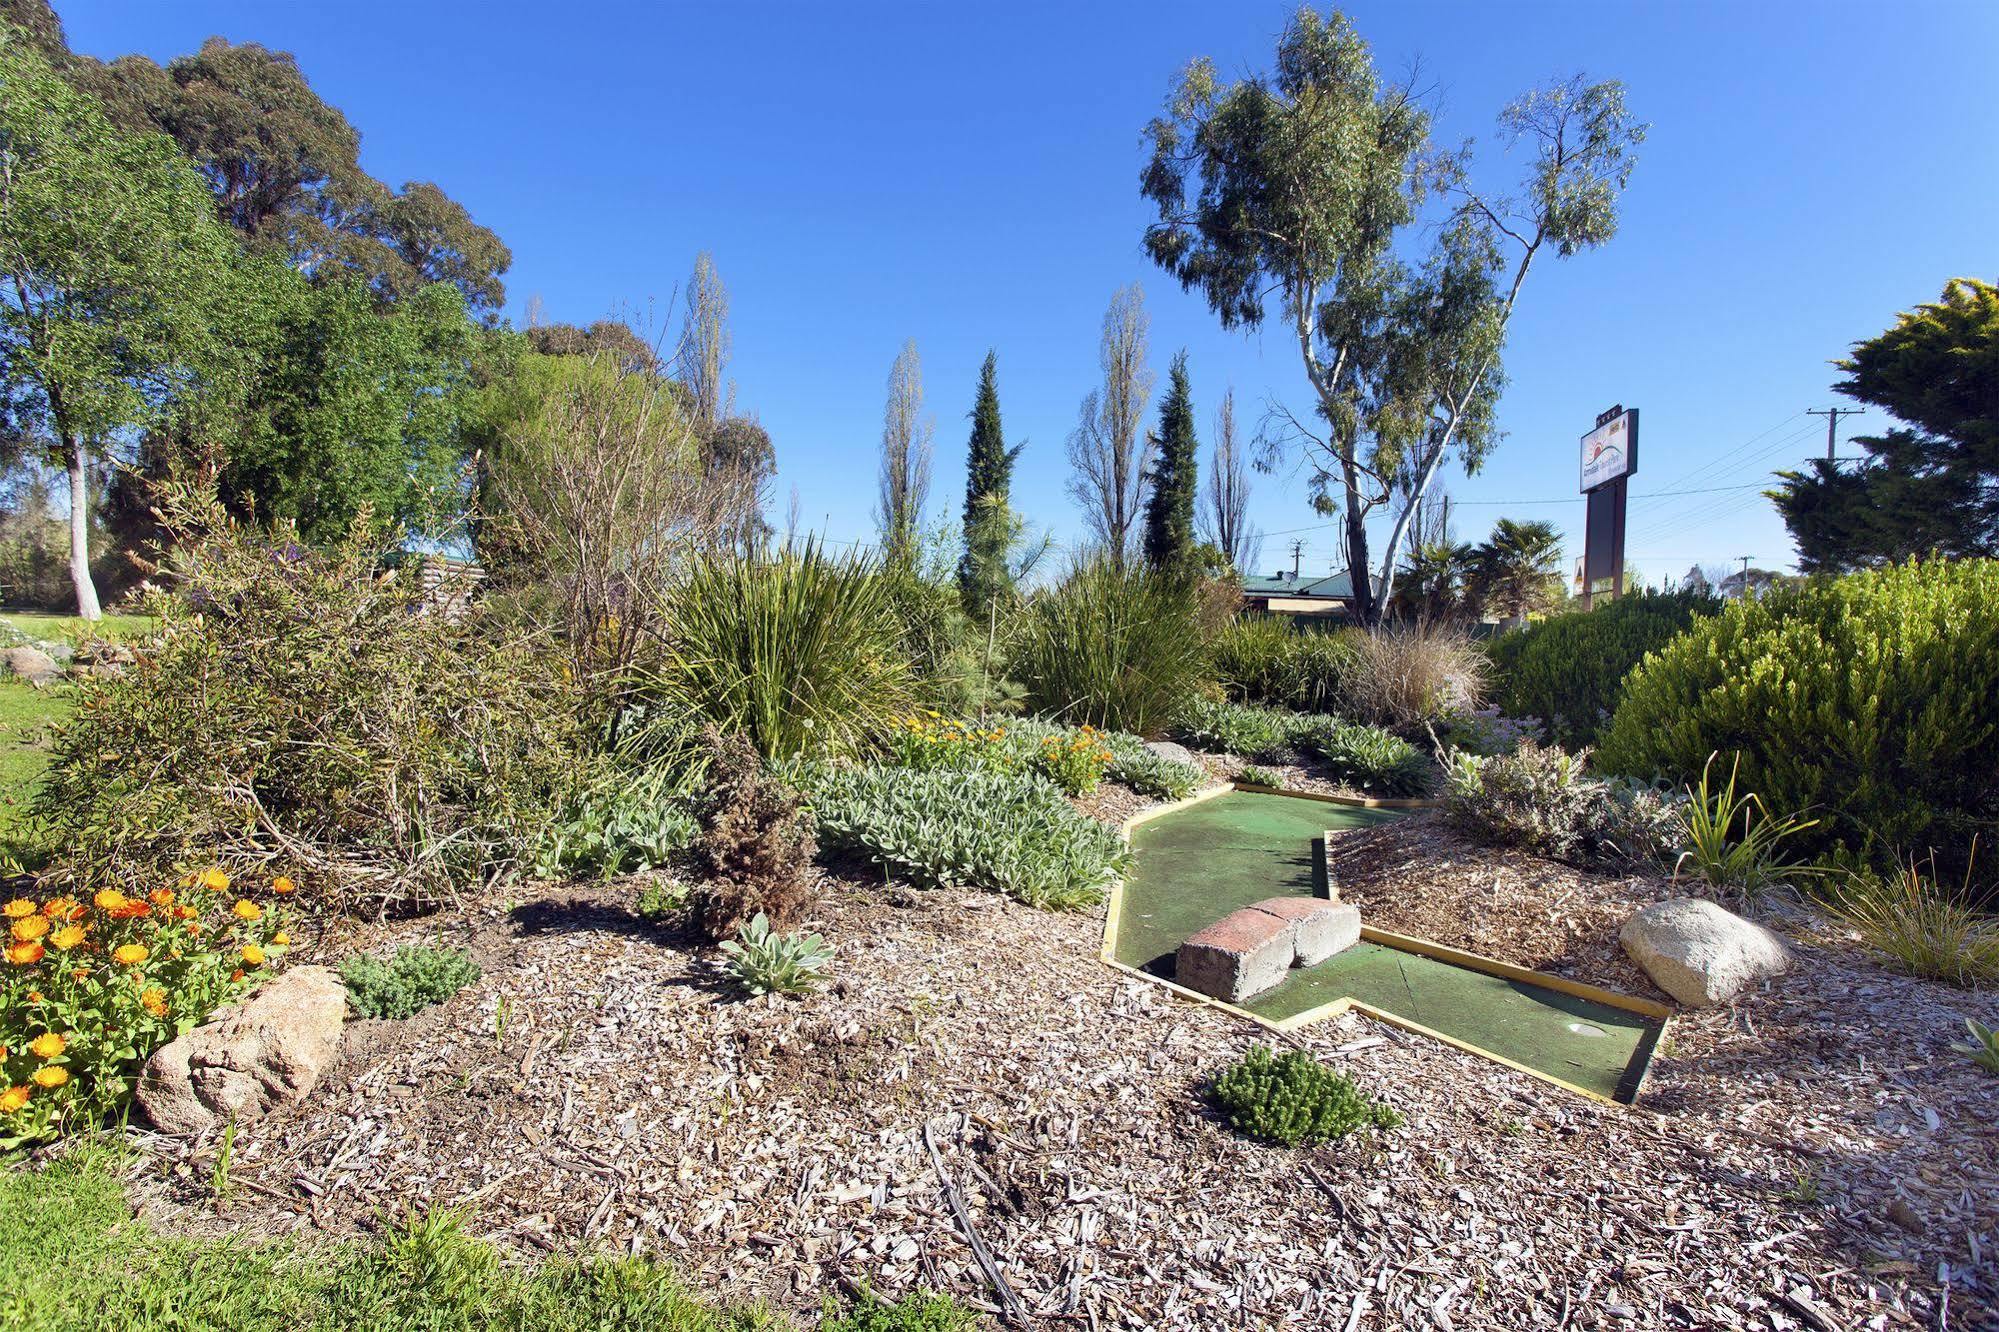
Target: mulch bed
{"points": [[1813, 1158]]}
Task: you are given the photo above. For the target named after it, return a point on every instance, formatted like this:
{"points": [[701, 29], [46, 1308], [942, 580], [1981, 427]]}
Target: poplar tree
{"points": [[983, 576], [1169, 510]]}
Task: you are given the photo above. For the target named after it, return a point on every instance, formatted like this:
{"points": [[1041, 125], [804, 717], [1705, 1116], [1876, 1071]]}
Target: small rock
{"points": [[262, 1054], [1699, 953], [31, 664], [1175, 753]]}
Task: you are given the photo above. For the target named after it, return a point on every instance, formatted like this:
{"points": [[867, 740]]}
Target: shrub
{"points": [[756, 846], [1569, 670], [1922, 926], [1234, 728], [1292, 1098], [1147, 773], [1982, 1048], [916, 1313], [625, 823], [765, 962], [798, 650], [1488, 731], [95, 983], [298, 700], [1543, 799], [1367, 757], [1006, 832], [1871, 701], [1256, 776], [410, 980], [1264, 659], [1411, 676], [1074, 762], [1115, 648], [1731, 841]]}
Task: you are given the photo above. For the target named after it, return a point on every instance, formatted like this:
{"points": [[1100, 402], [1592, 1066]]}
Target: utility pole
{"points": [[1297, 555], [1832, 415], [1743, 593]]}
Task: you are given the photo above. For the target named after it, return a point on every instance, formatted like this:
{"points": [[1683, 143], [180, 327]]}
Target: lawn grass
{"points": [[25, 715], [72, 630]]}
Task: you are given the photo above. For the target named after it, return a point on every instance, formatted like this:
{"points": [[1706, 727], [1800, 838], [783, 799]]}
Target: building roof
{"points": [[1332, 587]]}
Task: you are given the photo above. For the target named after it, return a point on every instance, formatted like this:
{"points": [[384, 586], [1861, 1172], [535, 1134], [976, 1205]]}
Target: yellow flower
{"points": [[47, 1045], [282, 885], [14, 1098], [51, 1075], [20, 907], [110, 899], [68, 937], [131, 954], [245, 909], [154, 1000], [281, 939], [213, 879], [25, 954], [30, 928], [253, 956]]}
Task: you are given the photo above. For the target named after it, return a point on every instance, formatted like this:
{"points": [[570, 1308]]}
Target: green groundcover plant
{"points": [[764, 961], [1868, 702], [1293, 1099], [410, 980], [1368, 757], [1008, 832]]}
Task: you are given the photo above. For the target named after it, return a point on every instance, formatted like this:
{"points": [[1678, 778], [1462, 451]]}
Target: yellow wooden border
{"points": [[1327, 798], [1107, 954]]}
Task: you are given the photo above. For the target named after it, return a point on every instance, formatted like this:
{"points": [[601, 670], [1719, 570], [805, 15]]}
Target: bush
{"points": [[1256, 776], [1264, 659], [625, 823], [1292, 1098], [1120, 649], [756, 846], [1869, 701], [1412, 676], [1544, 800], [413, 978], [1367, 757], [1569, 670], [1920, 925], [765, 962], [1001, 831], [1147, 773], [1488, 731], [299, 702], [797, 650], [929, 742], [917, 1313], [96, 983], [1235, 728], [1074, 762]]}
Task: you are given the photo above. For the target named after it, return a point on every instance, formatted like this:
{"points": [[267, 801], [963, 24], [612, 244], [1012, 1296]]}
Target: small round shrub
{"points": [[1292, 1098], [407, 982], [1869, 702], [1569, 670]]}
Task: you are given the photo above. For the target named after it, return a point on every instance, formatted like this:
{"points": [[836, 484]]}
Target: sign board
{"points": [[1610, 451]]}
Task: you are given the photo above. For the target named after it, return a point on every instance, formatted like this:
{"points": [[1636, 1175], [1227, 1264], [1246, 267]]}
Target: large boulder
{"points": [[31, 664], [1699, 953], [1173, 752], [260, 1055]]}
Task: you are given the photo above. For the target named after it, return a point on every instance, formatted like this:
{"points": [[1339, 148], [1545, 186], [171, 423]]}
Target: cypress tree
{"points": [[982, 573], [1169, 511]]}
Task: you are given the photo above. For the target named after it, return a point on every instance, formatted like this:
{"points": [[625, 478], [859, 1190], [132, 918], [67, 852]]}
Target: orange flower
{"points": [[25, 954], [51, 1075], [130, 911], [14, 1098], [131, 954], [68, 937], [161, 897], [237, 974], [30, 928], [47, 1045], [62, 908], [194, 927], [154, 1000], [110, 899], [184, 913], [20, 907], [282, 885], [245, 909], [34, 996], [213, 879], [281, 939]]}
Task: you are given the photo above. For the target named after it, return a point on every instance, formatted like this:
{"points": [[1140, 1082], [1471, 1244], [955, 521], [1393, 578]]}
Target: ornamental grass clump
{"points": [[1922, 926], [410, 980], [1294, 1099], [95, 982], [1111, 647], [1733, 844]]}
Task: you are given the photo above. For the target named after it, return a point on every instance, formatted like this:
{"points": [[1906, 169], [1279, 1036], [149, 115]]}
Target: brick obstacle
{"points": [[1247, 952]]}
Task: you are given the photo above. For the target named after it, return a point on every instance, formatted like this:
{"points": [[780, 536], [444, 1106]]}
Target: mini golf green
{"points": [[1196, 865]]}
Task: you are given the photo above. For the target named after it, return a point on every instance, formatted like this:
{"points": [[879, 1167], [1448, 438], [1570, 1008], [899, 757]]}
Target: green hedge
{"points": [[1870, 702], [1570, 670], [1263, 659]]}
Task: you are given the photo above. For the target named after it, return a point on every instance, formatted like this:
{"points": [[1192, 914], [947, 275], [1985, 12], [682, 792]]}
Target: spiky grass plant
{"points": [[796, 649], [1116, 648], [1731, 840], [1922, 926]]}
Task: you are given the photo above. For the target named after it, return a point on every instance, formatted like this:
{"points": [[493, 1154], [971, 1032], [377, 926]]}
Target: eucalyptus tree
{"points": [[1110, 451], [905, 455], [1290, 190], [115, 283]]}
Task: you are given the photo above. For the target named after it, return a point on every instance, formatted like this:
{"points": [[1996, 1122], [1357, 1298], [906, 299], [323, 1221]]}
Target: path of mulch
{"points": [[1813, 1158]]}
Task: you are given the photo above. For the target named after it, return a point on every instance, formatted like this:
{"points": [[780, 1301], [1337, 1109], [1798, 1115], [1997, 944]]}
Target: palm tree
{"points": [[1435, 582], [1518, 569]]}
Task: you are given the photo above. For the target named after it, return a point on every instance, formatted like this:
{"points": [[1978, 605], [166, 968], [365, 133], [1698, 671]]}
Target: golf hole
{"points": [[1586, 1029]]}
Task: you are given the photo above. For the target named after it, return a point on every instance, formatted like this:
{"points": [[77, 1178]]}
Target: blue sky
{"points": [[869, 173]]}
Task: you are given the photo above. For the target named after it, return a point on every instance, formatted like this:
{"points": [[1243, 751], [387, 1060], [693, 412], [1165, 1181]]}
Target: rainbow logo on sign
{"points": [[1610, 451]]}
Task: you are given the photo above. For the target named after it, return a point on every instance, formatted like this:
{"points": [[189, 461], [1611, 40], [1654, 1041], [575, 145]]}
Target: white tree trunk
{"points": [[79, 535]]}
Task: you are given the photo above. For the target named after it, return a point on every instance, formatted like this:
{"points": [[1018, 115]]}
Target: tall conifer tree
{"points": [[1169, 511], [983, 576]]}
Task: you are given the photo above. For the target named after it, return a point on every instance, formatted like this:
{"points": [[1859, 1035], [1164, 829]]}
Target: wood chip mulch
{"points": [[1813, 1158]]}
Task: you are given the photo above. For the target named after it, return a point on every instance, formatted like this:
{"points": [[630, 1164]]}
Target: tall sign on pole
{"points": [[1609, 457]]}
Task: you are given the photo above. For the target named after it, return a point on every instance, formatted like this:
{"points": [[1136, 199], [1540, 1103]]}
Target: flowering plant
{"points": [[90, 988], [928, 741], [1075, 762]]}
